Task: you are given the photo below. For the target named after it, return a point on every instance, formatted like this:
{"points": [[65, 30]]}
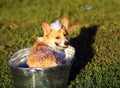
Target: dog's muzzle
{"points": [[65, 45]]}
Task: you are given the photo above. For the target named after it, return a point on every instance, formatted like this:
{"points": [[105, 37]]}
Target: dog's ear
{"points": [[65, 22], [46, 28]]}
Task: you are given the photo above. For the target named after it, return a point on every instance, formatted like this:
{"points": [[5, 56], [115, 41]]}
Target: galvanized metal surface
{"points": [[53, 77]]}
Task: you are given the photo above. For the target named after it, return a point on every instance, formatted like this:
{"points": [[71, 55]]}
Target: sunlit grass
{"points": [[96, 32]]}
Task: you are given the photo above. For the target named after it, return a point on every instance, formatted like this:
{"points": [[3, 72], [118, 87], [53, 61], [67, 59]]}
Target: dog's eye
{"points": [[65, 34], [57, 37]]}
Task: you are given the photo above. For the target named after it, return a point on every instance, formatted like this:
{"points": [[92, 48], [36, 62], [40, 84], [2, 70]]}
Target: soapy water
{"points": [[19, 59], [39, 77]]}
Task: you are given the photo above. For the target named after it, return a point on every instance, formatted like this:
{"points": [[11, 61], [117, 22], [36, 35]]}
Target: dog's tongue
{"points": [[56, 25]]}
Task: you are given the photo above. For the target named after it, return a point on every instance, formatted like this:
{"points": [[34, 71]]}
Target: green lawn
{"points": [[96, 38]]}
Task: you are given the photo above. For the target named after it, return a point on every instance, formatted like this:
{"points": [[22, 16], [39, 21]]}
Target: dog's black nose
{"points": [[66, 43]]}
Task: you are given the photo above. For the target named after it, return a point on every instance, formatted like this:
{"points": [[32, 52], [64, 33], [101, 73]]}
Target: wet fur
{"points": [[49, 51], [42, 56]]}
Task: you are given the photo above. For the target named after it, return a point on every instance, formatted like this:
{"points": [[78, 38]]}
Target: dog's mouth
{"points": [[65, 46]]}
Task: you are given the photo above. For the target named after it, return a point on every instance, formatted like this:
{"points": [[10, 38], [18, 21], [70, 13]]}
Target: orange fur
{"points": [[38, 61], [43, 54]]}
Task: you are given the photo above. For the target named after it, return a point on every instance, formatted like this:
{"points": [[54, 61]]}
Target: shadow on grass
{"points": [[84, 50]]}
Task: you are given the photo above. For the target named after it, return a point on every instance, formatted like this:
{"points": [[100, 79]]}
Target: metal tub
{"points": [[53, 77]]}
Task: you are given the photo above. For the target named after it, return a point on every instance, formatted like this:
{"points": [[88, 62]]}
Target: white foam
{"points": [[40, 38], [56, 25]]}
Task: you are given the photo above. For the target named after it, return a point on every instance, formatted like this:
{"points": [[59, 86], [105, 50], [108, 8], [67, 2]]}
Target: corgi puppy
{"points": [[48, 51]]}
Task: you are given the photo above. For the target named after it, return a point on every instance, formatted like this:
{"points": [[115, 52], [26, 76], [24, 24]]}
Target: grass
{"points": [[96, 38]]}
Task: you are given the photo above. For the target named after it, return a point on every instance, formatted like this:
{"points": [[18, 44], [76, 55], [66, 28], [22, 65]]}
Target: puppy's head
{"points": [[57, 39]]}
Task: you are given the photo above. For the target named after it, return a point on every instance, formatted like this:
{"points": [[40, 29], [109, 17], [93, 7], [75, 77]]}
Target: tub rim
{"points": [[27, 68]]}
